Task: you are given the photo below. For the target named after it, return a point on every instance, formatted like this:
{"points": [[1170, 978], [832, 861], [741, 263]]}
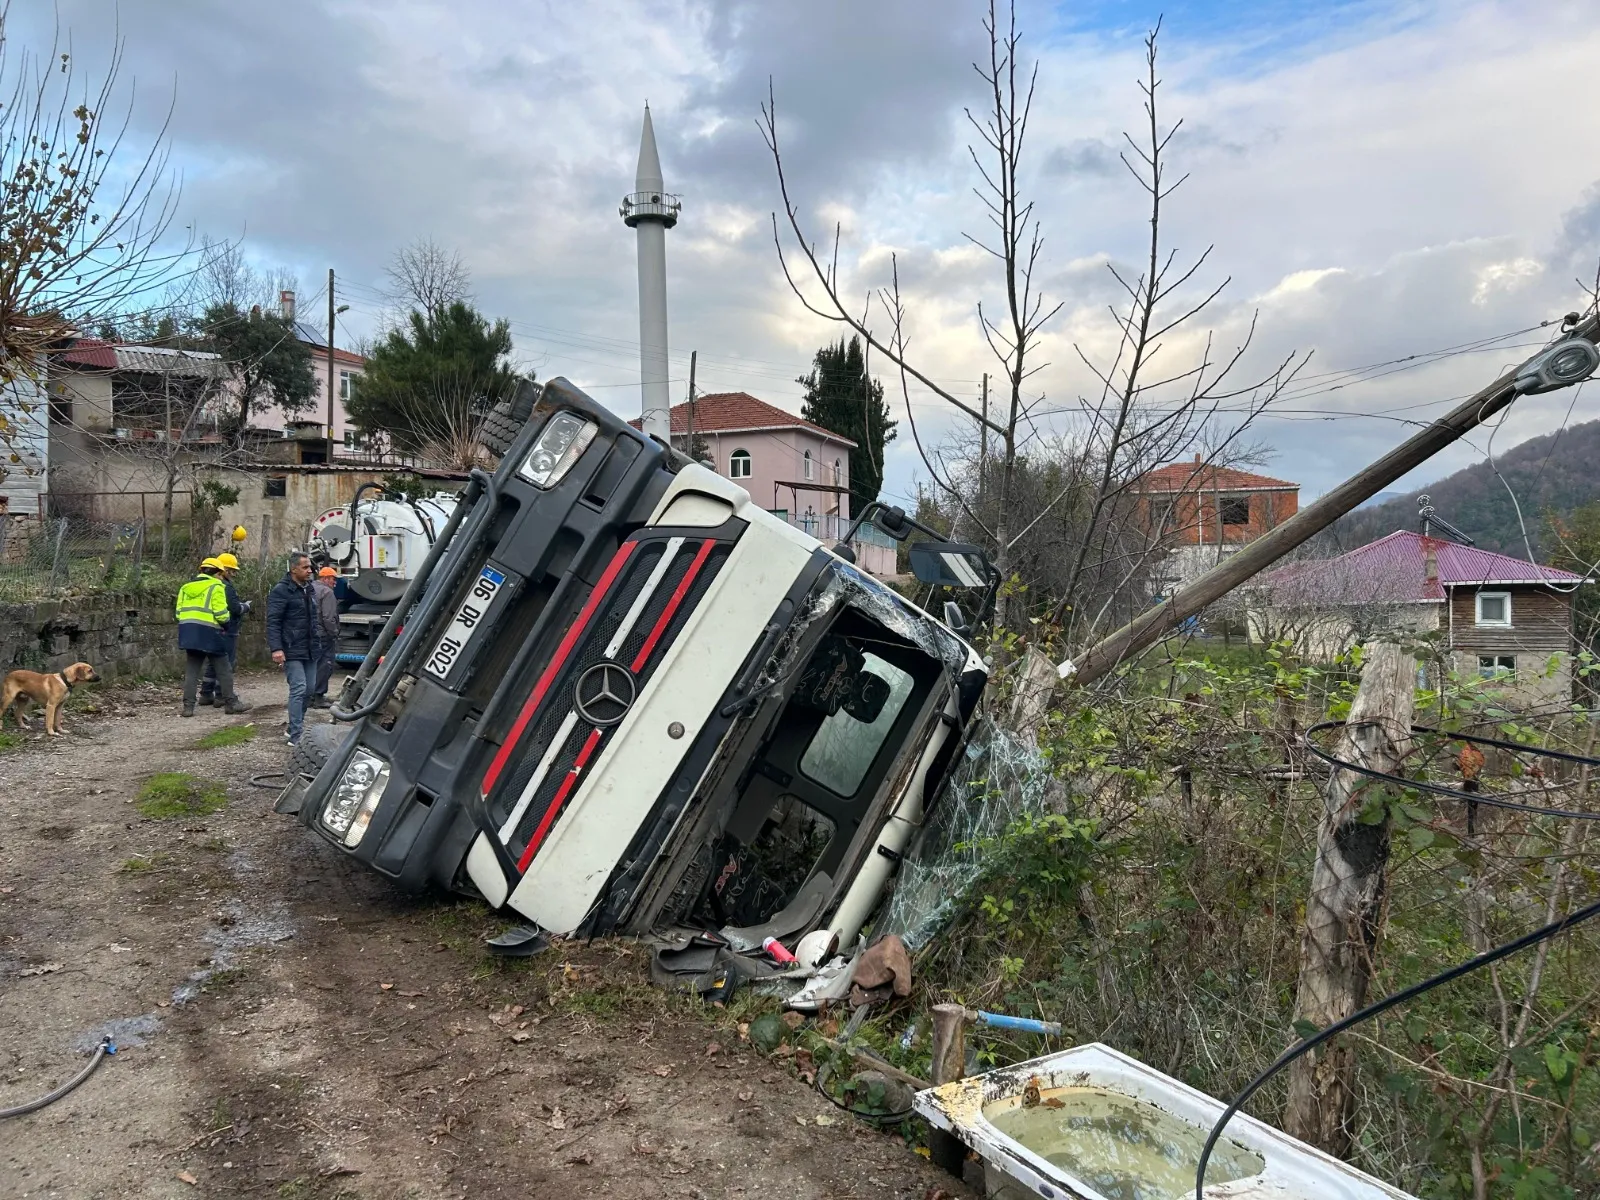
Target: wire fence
{"points": [[68, 555]]}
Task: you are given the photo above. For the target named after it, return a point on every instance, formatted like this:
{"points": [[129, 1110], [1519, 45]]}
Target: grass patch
{"points": [[179, 794], [143, 864], [228, 735], [10, 739]]}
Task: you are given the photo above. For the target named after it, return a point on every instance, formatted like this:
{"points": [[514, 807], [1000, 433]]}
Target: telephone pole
{"points": [[689, 445], [330, 364]]}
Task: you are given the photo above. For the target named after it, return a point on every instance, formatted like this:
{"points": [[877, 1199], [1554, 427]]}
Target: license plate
{"points": [[467, 618]]}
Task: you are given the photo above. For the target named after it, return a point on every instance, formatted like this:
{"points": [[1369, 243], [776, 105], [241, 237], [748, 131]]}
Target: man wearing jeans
{"points": [[293, 637]]}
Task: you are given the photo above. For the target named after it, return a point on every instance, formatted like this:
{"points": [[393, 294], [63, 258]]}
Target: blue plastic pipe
{"points": [[1017, 1024]]}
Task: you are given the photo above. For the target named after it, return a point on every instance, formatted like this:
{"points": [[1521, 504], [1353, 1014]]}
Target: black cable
{"points": [[106, 1046], [1440, 789], [1373, 1010]]}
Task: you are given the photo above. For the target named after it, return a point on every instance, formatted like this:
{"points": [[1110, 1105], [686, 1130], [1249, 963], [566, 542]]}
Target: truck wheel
{"points": [[506, 419], [318, 743]]}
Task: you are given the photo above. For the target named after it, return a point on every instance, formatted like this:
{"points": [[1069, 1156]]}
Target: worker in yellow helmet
{"points": [[203, 618], [239, 534], [237, 608]]}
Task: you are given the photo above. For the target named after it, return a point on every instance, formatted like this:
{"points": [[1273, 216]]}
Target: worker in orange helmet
{"points": [[328, 624]]}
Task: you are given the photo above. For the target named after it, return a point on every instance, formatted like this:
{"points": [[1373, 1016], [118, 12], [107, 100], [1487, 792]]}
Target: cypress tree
{"points": [[843, 399]]}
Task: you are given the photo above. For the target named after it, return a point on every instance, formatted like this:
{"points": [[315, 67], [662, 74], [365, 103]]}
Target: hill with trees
{"points": [[1553, 474]]}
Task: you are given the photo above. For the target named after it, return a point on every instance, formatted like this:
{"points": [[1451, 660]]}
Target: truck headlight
{"points": [[566, 436], [355, 797]]}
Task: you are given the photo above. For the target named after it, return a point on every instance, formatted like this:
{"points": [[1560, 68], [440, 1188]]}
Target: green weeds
{"points": [[179, 794], [228, 735]]}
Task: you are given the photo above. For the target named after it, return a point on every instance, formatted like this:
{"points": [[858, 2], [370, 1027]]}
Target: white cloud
{"points": [[1412, 179]]}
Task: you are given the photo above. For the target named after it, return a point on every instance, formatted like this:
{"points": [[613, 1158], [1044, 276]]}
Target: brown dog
{"points": [[49, 690]]}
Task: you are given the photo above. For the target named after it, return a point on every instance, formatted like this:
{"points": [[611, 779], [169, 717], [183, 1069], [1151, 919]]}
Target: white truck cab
{"points": [[621, 696]]}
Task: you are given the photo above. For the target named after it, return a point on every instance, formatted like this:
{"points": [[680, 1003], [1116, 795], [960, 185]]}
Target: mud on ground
{"points": [[289, 1026]]}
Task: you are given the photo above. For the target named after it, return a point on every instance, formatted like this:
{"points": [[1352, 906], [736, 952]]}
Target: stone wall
{"points": [[122, 634]]}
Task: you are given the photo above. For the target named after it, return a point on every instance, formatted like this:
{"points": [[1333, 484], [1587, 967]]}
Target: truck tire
{"points": [[506, 419], [317, 744]]}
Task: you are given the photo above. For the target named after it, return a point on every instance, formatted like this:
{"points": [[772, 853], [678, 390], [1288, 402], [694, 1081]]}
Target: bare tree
{"points": [[427, 277], [445, 421], [82, 208], [226, 276], [1145, 412]]}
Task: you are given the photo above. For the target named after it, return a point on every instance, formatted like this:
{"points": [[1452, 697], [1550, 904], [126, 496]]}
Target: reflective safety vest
{"points": [[203, 601]]}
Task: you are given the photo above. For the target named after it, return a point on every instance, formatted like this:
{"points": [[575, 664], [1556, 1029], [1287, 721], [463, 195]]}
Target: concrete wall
{"points": [[120, 633], [81, 400]]}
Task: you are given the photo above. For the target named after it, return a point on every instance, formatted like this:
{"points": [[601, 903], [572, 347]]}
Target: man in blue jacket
{"points": [[293, 637]]}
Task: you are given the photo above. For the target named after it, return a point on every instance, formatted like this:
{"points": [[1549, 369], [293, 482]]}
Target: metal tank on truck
{"points": [[376, 543]]}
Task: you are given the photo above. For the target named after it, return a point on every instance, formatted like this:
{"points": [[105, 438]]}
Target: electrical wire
{"points": [[1439, 789], [1306, 1045], [1372, 1010]]}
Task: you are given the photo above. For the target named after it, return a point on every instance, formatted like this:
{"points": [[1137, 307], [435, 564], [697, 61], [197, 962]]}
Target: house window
{"points": [[1497, 666], [838, 473], [276, 487], [739, 465], [1494, 608], [809, 465], [352, 439], [1236, 510], [347, 385]]}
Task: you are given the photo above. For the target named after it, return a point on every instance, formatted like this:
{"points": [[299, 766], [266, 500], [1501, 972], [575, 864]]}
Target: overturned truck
{"points": [[619, 696]]}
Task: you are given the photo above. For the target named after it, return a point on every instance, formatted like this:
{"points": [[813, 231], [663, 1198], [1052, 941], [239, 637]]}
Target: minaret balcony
{"points": [[650, 206]]}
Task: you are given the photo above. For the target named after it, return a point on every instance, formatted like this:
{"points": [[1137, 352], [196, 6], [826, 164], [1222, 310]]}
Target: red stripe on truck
{"points": [[492, 776], [665, 618], [559, 799]]}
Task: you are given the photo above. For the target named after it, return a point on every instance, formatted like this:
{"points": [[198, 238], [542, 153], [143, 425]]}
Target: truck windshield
{"points": [[843, 750]]}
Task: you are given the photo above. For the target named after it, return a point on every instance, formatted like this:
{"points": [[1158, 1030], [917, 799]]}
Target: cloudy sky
{"points": [[1381, 180]]}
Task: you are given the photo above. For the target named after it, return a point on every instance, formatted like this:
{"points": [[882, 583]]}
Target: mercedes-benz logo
{"points": [[604, 694]]}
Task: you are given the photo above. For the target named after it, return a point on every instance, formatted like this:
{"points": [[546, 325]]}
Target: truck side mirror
{"points": [[950, 564], [892, 520]]}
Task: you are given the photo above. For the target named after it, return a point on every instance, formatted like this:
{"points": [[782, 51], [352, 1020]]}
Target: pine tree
{"points": [[430, 379], [843, 399]]}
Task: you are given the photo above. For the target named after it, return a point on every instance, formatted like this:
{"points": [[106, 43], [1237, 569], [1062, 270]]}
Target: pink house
{"points": [[348, 368], [788, 465], [796, 470]]}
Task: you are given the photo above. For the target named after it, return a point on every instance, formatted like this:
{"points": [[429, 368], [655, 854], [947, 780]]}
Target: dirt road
{"points": [[290, 1027]]}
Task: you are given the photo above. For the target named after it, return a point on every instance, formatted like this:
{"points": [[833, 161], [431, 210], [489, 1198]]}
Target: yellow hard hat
{"points": [[212, 563], [227, 562], [239, 533]]}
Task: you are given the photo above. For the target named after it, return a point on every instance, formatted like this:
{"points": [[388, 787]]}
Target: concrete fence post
{"points": [[58, 564], [138, 553]]}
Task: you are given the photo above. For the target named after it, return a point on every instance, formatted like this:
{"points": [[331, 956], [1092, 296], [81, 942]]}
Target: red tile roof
{"points": [[740, 412], [1395, 569], [1203, 477]]}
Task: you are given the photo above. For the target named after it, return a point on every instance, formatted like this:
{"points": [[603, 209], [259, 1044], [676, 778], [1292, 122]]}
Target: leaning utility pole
{"points": [[1541, 373]]}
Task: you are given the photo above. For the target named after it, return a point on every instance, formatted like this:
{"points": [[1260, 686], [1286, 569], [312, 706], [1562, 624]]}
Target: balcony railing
{"points": [[653, 206]]}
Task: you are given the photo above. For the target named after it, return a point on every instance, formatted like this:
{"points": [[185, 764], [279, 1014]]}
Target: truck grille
{"points": [[632, 617]]}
